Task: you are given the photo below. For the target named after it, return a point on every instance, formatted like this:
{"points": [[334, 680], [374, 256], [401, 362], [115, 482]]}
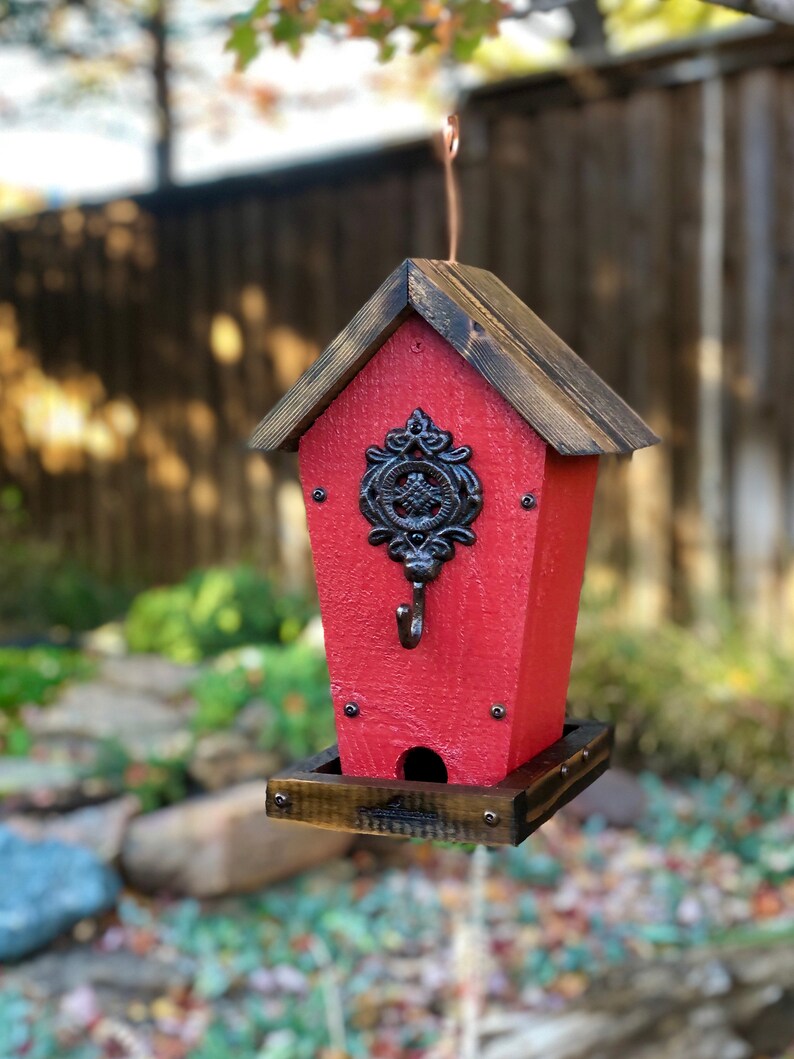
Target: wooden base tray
{"points": [[315, 792]]}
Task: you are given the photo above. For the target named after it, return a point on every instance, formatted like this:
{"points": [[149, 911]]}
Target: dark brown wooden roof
{"points": [[542, 378]]}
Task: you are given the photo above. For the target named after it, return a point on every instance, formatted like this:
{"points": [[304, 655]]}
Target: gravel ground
{"points": [[373, 956]]}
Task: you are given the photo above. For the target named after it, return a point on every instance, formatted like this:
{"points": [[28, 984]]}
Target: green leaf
{"points": [[244, 42]]}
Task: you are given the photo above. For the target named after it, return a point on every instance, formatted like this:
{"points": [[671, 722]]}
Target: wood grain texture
{"points": [[532, 368], [314, 792], [501, 616], [563, 514], [647, 368], [551, 388], [336, 366]]}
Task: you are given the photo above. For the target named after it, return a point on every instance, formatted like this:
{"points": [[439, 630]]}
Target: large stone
{"points": [[617, 797], [694, 1005], [313, 634], [26, 776], [99, 828], [143, 723], [45, 888], [148, 673], [221, 844], [55, 785], [253, 719], [123, 974], [223, 759]]}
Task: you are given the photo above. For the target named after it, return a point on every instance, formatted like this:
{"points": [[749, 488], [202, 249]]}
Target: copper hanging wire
{"points": [[450, 141]]}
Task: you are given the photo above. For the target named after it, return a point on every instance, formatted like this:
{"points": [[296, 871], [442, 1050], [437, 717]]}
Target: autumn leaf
{"points": [[458, 28], [244, 42]]}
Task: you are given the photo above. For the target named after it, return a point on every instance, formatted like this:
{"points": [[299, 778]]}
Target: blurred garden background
{"points": [[194, 200]]}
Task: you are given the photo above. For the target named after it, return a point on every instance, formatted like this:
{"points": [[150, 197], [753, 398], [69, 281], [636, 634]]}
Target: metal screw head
{"points": [[498, 711], [490, 817], [281, 800], [528, 501], [319, 495], [564, 770], [351, 709], [586, 754]]}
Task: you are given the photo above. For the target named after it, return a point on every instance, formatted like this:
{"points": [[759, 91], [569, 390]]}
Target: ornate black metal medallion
{"points": [[421, 497]]}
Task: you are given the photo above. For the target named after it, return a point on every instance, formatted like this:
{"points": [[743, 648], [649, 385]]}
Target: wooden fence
{"points": [[645, 209]]}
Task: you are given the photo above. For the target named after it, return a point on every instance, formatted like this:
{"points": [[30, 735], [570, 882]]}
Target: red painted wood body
{"points": [[500, 618]]}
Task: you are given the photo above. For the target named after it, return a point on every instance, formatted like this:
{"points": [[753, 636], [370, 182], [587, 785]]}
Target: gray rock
{"points": [[99, 828], [254, 718], [665, 1009], [45, 888], [148, 673], [313, 634], [26, 776], [58, 777], [222, 759], [143, 723], [109, 639], [123, 973], [222, 844], [617, 796]]}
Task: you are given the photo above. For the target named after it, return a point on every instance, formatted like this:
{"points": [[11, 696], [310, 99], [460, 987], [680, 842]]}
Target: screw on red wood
{"points": [[319, 495], [490, 817], [351, 709], [528, 501], [498, 711], [281, 800]]}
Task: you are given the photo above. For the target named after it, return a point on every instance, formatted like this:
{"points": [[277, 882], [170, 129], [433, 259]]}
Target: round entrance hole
{"points": [[422, 765]]}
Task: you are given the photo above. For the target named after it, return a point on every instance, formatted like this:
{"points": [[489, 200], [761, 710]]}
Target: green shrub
{"points": [[680, 706], [684, 706], [31, 676], [212, 611], [290, 681], [41, 586], [157, 781]]}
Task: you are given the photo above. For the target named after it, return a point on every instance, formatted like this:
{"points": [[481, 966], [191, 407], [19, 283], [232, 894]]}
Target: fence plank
{"points": [[647, 371], [585, 195], [757, 485]]}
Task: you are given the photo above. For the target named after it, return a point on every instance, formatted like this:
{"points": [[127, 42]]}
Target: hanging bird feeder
{"points": [[448, 445]]}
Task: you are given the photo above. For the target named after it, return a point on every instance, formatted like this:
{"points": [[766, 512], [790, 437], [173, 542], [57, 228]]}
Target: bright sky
{"points": [[334, 98]]}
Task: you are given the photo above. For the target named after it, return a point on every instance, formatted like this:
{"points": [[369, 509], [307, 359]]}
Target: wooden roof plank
{"points": [[532, 368], [379, 318], [591, 403], [519, 381]]}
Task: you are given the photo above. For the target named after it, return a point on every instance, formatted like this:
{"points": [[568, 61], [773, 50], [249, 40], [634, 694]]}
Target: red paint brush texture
{"points": [[500, 618]]}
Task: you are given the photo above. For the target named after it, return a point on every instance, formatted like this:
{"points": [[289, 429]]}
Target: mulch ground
{"points": [[372, 956]]}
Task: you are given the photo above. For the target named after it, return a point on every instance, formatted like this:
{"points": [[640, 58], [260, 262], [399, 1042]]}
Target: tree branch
{"points": [[158, 32]]}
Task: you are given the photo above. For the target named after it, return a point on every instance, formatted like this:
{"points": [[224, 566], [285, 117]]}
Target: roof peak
{"points": [[549, 386]]}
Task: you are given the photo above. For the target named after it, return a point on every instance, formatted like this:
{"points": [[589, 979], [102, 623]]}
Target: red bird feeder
{"points": [[448, 445]]}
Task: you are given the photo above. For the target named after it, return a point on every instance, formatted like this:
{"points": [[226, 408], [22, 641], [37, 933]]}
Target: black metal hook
{"points": [[411, 619]]}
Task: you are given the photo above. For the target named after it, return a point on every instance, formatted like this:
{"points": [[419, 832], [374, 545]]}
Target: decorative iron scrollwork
{"points": [[421, 497]]}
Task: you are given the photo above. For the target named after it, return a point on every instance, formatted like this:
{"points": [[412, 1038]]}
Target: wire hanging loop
{"points": [[450, 142]]}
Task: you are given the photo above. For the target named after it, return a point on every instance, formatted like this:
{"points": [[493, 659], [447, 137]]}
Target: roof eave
{"points": [[339, 362], [445, 295]]}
